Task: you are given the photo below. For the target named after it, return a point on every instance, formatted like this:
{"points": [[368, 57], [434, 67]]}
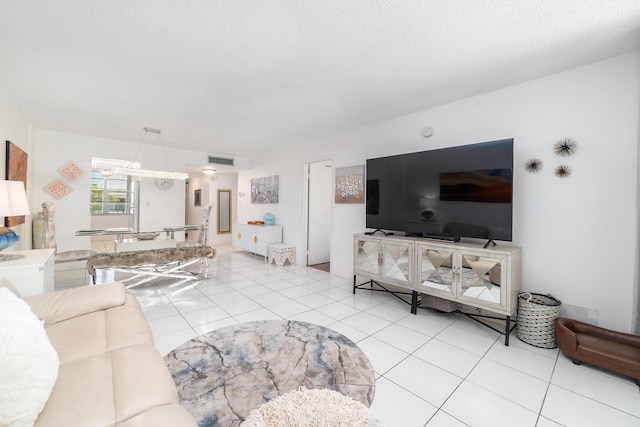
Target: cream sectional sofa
{"points": [[109, 371]]}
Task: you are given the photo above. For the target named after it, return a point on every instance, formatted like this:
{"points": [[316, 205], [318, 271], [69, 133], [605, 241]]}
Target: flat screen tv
{"points": [[449, 193]]}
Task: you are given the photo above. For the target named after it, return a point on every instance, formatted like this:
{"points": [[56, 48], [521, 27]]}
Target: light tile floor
{"points": [[431, 369]]}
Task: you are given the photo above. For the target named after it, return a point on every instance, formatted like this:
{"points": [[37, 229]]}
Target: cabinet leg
{"points": [[354, 284], [507, 330], [414, 302]]}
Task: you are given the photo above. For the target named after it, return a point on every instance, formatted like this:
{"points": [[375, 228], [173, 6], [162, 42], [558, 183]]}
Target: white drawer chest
{"points": [[31, 274], [255, 238]]}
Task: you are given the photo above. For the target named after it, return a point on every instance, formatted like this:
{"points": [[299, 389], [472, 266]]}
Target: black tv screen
{"points": [[463, 191]]}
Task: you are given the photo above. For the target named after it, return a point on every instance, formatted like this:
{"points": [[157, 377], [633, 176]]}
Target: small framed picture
{"points": [[197, 201], [349, 184]]}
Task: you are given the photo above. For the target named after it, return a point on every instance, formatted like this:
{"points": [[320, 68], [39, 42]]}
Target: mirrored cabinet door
{"points": [[481, 278], [367, 257], [467, 274], [396, 261], [436, 270]]}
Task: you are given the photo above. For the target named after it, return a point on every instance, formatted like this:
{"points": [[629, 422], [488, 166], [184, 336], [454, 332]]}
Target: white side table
{"points": [[31, 275], [282, 252]]}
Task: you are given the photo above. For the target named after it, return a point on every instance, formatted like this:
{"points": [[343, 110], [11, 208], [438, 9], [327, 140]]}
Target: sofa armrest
{"points": [[565, 336], [63, 305], [607, 334]]}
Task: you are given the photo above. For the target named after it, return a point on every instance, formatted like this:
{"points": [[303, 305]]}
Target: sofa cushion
{"points": [[100, 332], [109, 388], [162, 416], [63, 305], [28, 362]]}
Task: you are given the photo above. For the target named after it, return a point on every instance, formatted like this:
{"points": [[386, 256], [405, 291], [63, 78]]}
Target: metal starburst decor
{"points": [[563, 171], [533, 165], [565, 147]]}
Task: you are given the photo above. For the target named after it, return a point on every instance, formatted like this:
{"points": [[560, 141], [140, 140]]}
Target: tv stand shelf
{"points": [[485, 280]]}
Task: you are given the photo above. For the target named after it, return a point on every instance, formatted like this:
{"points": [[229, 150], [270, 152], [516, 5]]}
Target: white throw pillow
{"points": [[28, 363]]}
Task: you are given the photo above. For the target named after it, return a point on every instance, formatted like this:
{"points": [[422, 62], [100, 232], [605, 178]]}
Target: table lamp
{"points": [[13, 202]]}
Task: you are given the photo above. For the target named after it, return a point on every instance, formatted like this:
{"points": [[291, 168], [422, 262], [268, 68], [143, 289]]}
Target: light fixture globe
{"points": [[425, 203], [427, 214], [208, 170]]}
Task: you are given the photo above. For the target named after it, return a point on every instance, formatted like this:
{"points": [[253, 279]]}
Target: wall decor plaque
{"points": [[59, 189], [71, 171]]}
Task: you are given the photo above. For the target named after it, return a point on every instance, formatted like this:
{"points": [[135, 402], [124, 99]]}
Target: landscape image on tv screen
{"points": [[483, 186]]}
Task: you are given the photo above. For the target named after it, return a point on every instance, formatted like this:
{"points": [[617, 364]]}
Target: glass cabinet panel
{"points": [[367, 257], [436, 270], [465, 275], [395, 261], [480, 278]]}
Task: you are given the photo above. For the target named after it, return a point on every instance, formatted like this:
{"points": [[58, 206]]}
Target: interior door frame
{"points": [[305, 205]]}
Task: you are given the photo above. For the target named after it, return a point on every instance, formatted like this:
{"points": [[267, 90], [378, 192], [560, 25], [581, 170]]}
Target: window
{"points": [[110, 195]]}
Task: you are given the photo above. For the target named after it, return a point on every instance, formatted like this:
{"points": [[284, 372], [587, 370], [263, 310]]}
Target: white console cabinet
{"points": [[487, 279], [32, 274], [256, 238]]}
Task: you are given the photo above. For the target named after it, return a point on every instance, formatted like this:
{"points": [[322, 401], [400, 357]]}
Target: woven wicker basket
{"points": [[536, 313]]}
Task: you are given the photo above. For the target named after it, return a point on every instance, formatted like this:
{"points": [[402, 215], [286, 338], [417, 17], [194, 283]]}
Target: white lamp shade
{"points": [[13, 199]]}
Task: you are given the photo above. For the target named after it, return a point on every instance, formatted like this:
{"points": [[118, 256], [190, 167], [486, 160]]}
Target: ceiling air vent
{"points": [[220, 161]]}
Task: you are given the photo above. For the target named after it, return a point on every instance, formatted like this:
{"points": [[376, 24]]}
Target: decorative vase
{"points": [[268, 218], [8, 237]]}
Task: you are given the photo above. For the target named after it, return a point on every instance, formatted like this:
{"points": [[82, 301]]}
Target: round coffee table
{"points": [[222, 375]]}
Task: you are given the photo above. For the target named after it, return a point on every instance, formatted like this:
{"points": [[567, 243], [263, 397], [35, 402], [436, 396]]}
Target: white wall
{"points": [[52, 150], [578, 235], [289, 209], [14, 127]]}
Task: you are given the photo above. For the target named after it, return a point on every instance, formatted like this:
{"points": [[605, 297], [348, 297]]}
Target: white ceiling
{"points": [[235, 76]]}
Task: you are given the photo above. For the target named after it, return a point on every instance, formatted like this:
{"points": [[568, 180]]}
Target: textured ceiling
{"points": [[233, 77]]}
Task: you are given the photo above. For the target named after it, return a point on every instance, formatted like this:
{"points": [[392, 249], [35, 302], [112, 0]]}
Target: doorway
{"points": [[319, 191]]}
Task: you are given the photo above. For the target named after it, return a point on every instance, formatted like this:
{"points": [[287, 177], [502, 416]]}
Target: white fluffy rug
{"points": [[312, 408]]}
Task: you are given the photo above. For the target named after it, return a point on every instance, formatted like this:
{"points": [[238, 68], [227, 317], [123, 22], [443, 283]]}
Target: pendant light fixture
{"points": [[147, 173]]}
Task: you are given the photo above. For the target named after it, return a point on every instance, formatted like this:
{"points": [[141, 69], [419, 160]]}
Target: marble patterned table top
{"points": [[224, 374]]}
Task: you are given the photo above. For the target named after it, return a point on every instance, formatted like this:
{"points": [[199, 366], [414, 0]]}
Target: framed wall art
{"points": [[349, 184], [264, 190], [16, 170], [197, 197]]}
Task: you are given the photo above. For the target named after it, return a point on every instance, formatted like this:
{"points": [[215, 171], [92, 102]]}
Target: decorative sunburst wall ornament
{"points": [[533, 165], [565, 147], [563, 171]]}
